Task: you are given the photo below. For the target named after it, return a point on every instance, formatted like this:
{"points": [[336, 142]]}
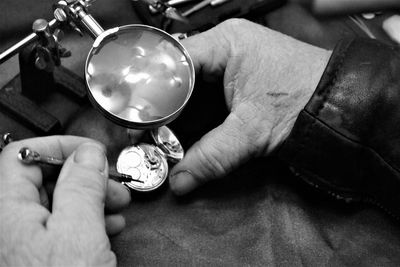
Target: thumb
{"points": [[216, 154], [81, 187]]}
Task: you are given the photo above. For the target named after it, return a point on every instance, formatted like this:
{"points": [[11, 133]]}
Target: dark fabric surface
{"points": [[261, 214]]}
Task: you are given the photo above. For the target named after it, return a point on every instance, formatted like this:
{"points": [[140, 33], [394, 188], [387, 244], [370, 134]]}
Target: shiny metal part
{"points": [[197, 7], [13, 50], [174, 3], [60, 15], [139, 76], [167, 10], [174, 14], [48, 49], [7, 138], [218, 2], [71, 11], [179, 2], [171, 3], [144, 163], [167, 141], [75, 13], [89, 23]]}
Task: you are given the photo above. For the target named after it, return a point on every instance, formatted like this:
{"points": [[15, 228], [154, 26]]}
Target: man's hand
{"points": [[268, 79], [73, 232]]}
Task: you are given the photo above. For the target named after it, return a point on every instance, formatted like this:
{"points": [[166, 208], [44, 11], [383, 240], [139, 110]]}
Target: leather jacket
{"points": [[346, 141]]}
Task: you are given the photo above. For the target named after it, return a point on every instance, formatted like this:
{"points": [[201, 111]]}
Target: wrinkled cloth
{"points": [[261, 215]]}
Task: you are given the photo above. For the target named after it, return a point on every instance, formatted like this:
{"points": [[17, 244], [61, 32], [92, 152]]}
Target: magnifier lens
{"points": [[139, 76]]}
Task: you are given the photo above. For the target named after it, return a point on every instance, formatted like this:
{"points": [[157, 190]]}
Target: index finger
{"points": [[208, 51], [22, 181]]}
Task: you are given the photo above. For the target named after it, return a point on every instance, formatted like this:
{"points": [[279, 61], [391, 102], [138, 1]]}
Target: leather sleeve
{"points": [[346, 141]]}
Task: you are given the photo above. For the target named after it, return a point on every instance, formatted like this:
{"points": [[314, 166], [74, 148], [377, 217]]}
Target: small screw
{"points": [[151, 157], [60, 14], [40, 63], [40, 25], [7, 138], [173, 146], [58, 35]]}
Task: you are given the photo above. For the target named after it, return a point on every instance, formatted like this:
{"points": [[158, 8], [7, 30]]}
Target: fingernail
{"points": [[91, 155], [183, 182]]}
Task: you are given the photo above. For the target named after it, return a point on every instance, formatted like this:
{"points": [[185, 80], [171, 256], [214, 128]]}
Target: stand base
{"points": [[26, 118]]}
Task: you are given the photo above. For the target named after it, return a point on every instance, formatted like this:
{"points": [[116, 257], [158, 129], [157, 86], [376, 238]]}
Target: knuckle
{"points": [[235, 23], [85, 181]]}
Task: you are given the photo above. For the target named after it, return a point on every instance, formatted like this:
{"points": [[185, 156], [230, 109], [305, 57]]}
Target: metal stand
{"points": [[27, 96]]}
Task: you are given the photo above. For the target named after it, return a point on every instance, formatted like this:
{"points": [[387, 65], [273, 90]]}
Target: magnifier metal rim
{"points": [[148, 124]]}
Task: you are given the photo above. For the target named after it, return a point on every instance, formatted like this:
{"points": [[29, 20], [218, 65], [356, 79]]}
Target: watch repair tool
{"points": [[149, 163], [5, 55], [29, 156], [171, 3]]}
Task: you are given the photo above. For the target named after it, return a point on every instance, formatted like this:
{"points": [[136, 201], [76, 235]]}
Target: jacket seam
{"points": [[328, 88]]}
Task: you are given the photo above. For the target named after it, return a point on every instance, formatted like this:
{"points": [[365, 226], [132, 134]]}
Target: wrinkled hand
{"points": [[74, 232], [268, 79]]}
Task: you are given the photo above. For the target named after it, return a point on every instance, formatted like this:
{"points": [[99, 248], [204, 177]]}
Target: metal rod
{"points": [[197, 7], [178, 2], [10, 52]]}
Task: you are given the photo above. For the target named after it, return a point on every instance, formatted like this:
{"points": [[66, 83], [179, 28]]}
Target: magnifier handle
{"points": [[90, 24]]}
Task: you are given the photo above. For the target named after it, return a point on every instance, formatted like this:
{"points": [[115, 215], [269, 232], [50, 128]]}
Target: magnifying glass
{"points": [[139, 76]]}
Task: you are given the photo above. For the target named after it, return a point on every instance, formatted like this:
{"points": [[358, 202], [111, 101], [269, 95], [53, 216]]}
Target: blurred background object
{"points": [[342, 7], [391, 26]]}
